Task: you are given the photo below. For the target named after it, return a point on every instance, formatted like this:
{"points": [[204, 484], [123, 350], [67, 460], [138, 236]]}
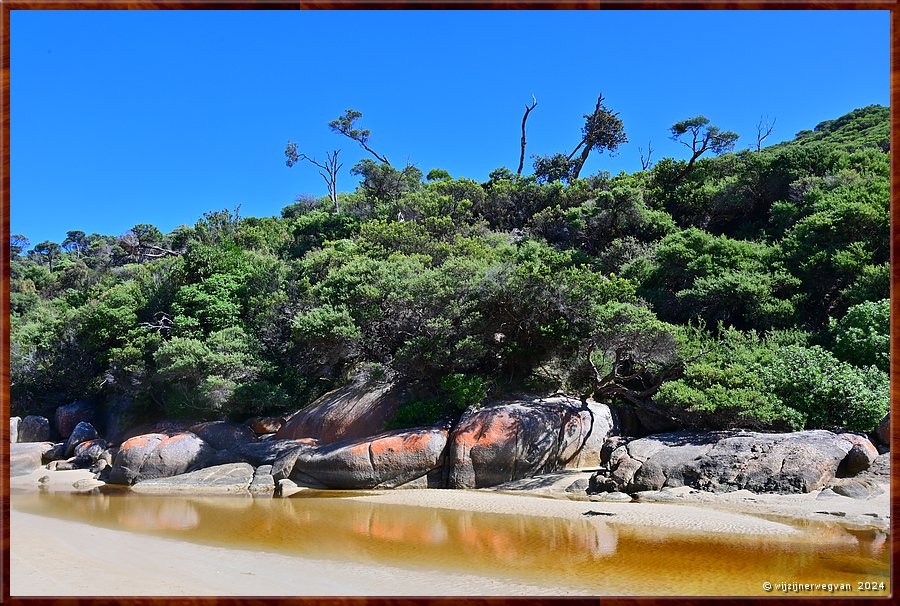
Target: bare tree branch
{"points": [[763, 130], [646, 163], [524, 119]]}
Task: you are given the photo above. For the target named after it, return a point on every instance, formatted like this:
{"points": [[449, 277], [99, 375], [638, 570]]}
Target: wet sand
{"points": [[52, 556]]}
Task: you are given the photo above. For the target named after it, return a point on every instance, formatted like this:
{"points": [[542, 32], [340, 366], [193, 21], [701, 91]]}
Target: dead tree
{"points": [[328, 170], [763, 130], [646, 163], [524, 119]]}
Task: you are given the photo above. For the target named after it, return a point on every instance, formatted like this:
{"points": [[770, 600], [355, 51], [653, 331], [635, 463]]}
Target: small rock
{"points": [[861, 455], [578, 486], [826, 494], [262, 482], [839, 514], [597, 513], [55, 453], [86, 484], [43, 479], [856, 488], [286, 488], [611, 496]]}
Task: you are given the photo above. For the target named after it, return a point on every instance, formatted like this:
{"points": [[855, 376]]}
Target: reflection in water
{"points": [[591, 554]]}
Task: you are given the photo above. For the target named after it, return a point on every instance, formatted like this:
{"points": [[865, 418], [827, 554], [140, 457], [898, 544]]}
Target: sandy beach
{"points": [[92, 560]]}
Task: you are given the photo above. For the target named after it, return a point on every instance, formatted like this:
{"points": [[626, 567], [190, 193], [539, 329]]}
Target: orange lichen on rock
{"points": [[140, 441]]}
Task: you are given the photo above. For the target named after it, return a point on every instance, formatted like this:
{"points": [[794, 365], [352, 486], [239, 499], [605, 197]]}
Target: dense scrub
{"points": [[742, 290]]}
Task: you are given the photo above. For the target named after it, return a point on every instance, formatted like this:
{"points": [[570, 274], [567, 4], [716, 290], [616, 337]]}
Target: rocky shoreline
{"points": [[340, 442]]}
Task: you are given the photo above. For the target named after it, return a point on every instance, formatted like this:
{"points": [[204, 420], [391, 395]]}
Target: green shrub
{"points": [[862, 337]]}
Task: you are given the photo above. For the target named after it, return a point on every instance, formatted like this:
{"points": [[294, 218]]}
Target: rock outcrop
{"points": [[34, 428], [159, 455], [385, 461], [523, 438], [67, 417], [358, 410], [725, 461], [83, 432], [266, 453], [14, 429], [222, 435], [25, 458], [231, 478]]}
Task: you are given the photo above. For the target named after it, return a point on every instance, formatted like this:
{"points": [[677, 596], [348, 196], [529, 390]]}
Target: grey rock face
{"points": [[91, 449], [263, 482], [67, 417], [82, 432], [883, 430], [222, 435], [234, 477], [34, 429], [25, 458], [387, 461], [523, 438], [55, 453], [266, 453], [861, 456], [14, 429], [355, 411], [725, 461], [158, 455], [856, 488]]}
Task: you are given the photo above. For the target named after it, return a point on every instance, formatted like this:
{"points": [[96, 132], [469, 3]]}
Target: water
{"points": [[591, 554]]}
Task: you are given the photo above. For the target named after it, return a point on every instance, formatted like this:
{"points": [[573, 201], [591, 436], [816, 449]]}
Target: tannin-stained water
{"points": [[593, 553]]}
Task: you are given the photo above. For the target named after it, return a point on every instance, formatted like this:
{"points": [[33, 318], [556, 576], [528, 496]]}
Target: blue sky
{"points": [[126, 117]]}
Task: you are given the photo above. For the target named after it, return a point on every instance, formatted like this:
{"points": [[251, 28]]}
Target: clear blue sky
{"points": [[126, 117]]}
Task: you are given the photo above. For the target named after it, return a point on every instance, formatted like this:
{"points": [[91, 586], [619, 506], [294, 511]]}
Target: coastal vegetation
{"points": [[740, 288]]}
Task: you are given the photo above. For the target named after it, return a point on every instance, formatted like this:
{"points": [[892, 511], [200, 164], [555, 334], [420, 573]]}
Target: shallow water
{"points": [[591, 554]]}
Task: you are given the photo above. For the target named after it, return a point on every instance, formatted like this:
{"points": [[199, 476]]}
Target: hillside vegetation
{"points": [[745, 289]]}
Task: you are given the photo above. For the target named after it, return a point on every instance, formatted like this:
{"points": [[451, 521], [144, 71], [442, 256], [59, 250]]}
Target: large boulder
{"points": [[223, 435], [25, 458], [83, 432], [230, 478], [67, 417], [861, 456], [358, 410], [384, 461], [586, 434], [34, 429], [266, 453], [14, 429], [165, 426], [725, 461], [523, 438], [159, 455]]}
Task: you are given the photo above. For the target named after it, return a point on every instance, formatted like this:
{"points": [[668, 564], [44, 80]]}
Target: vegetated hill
{"points": [[743, 290], [868, 126]]}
